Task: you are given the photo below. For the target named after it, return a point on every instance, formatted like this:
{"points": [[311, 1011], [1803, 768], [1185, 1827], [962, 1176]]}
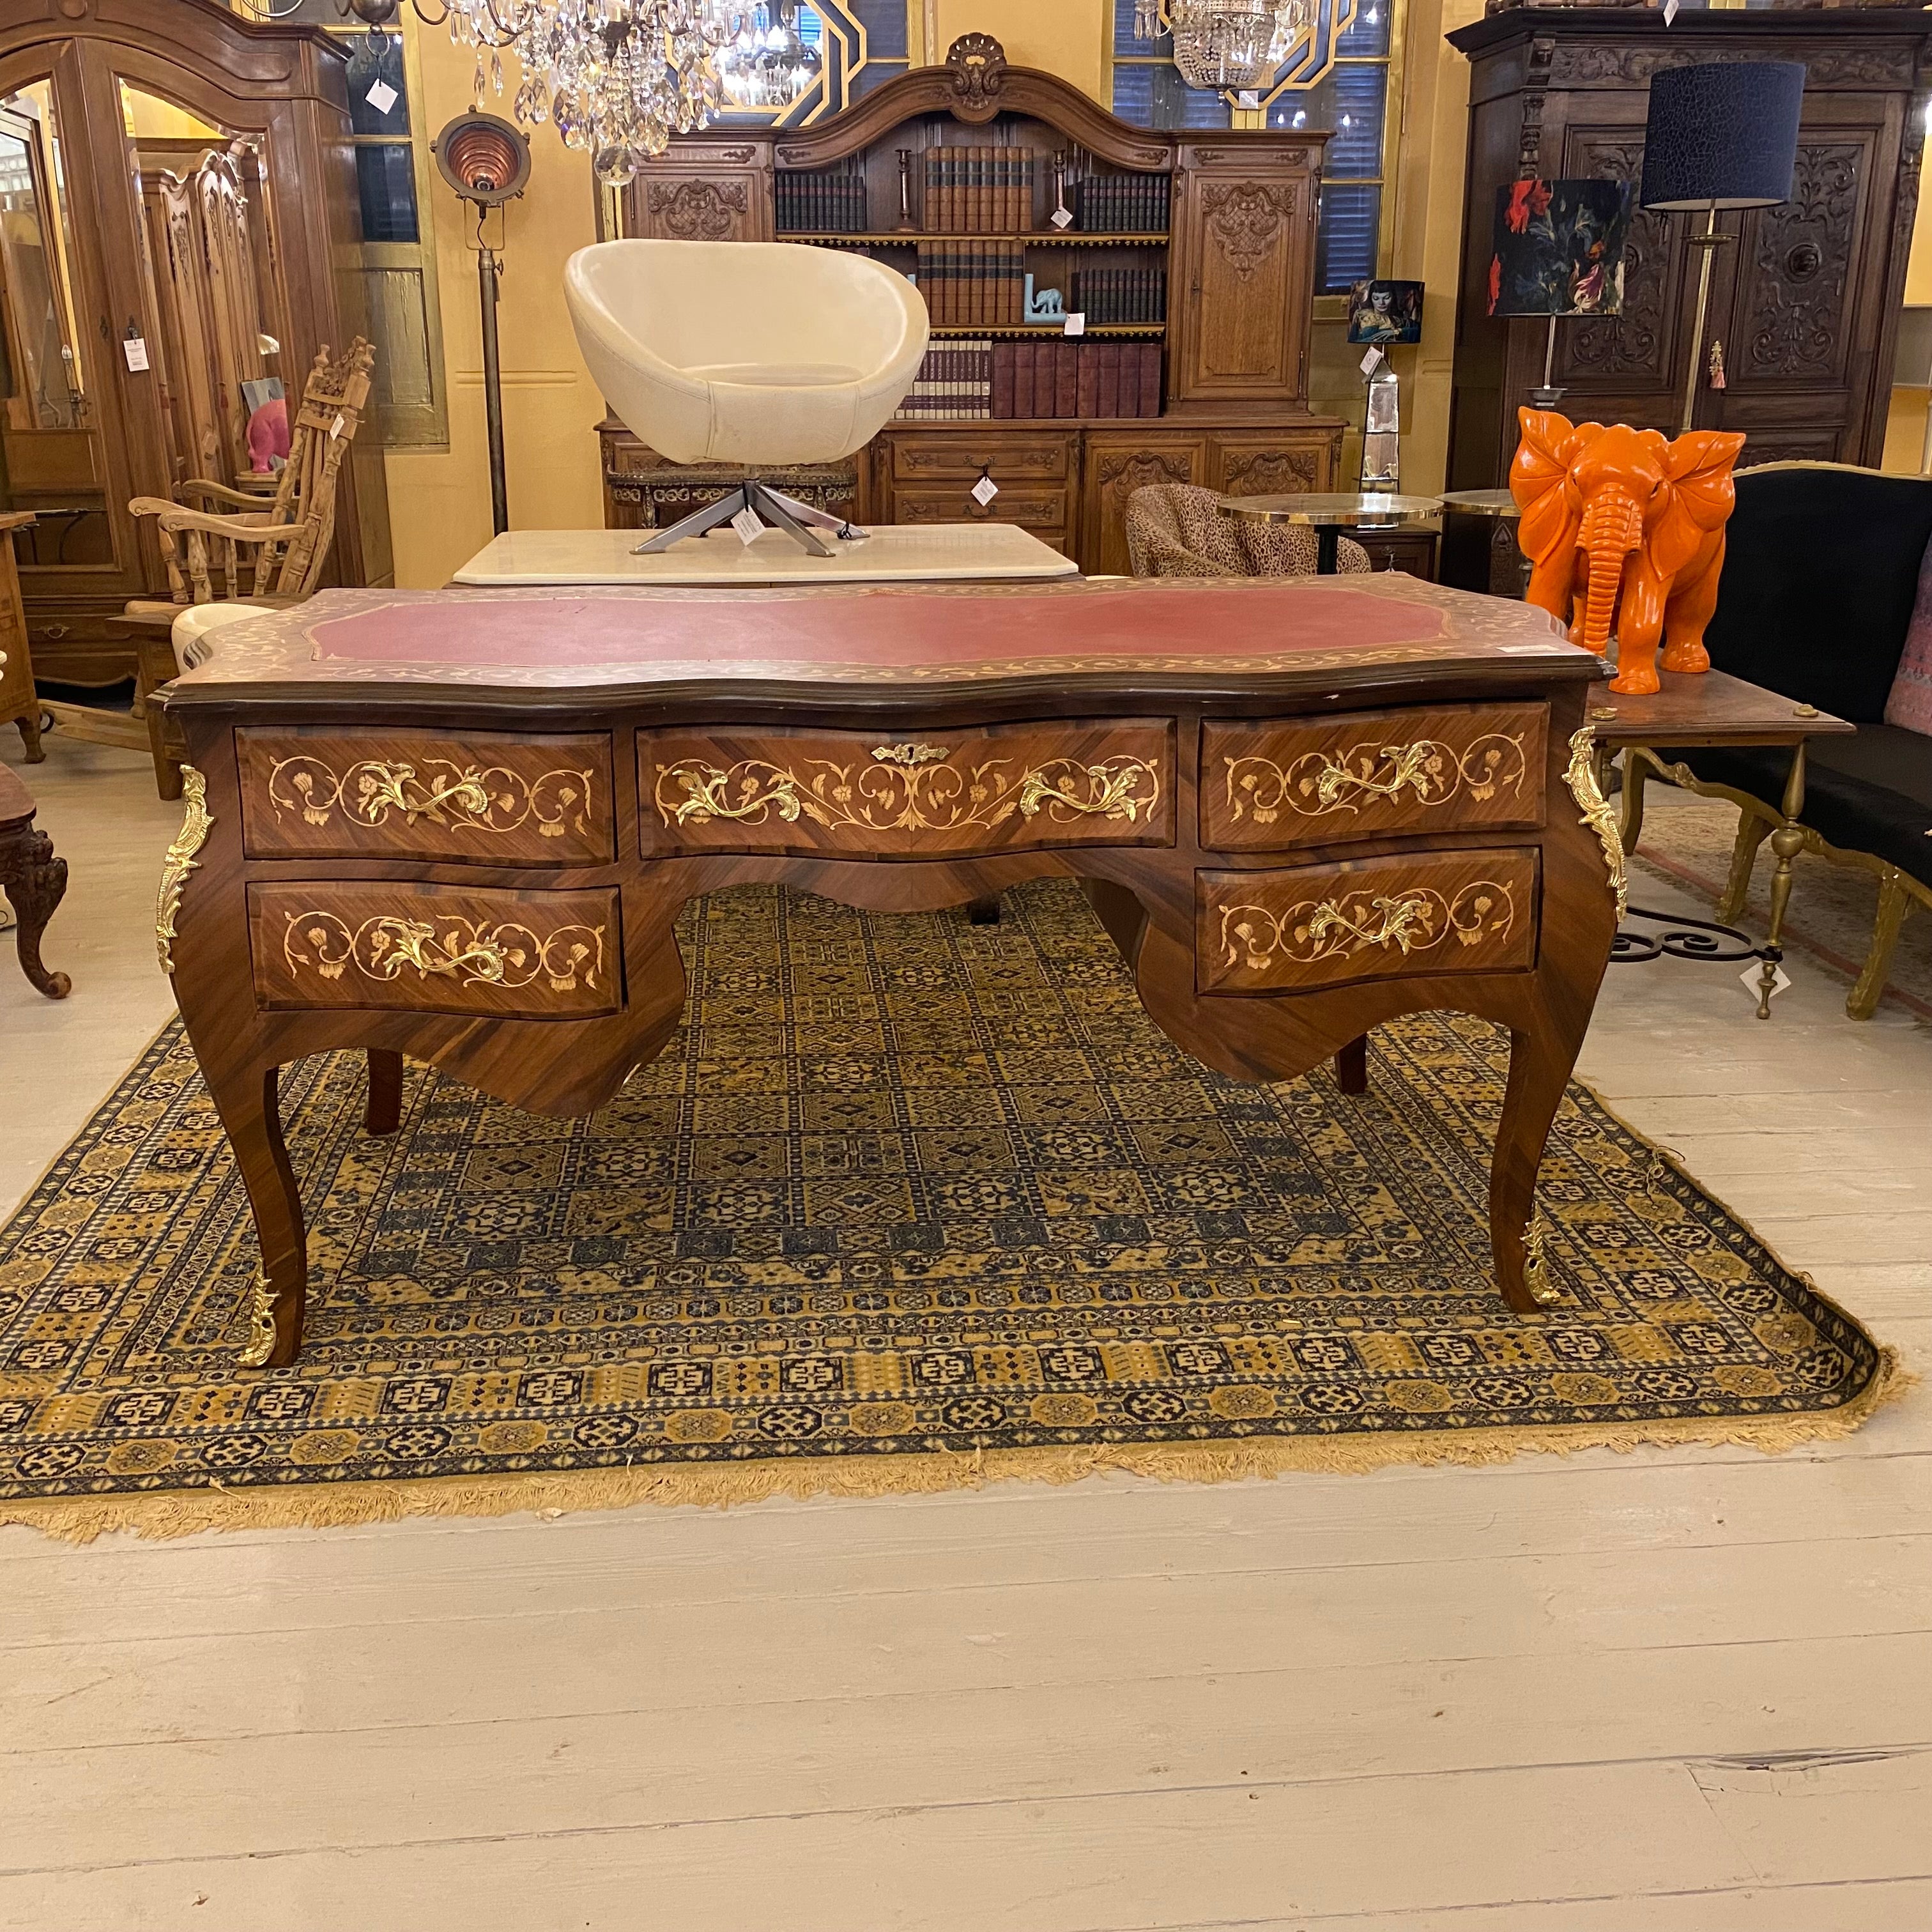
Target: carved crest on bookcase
{"points": [[1125, 471], [699, 210], [1245, 218], [1634, 67], [1269, 473], [1635, 344], [1796, 324], [977, 64]]}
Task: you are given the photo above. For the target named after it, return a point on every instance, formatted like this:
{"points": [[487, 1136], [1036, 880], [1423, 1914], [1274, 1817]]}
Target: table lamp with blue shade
{"points": [[1559, 250], [1720, 136]]}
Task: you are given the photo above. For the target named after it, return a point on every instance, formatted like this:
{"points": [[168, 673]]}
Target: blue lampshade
{"points": [[1723, 135]]}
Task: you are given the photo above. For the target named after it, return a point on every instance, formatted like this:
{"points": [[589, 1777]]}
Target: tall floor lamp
{"points": [[1720, 135], [1557, 250], [488, 162]]}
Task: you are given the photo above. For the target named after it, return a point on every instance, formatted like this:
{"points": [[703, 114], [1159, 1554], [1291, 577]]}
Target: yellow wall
{"points": [[1068, 37], [440, 500]]}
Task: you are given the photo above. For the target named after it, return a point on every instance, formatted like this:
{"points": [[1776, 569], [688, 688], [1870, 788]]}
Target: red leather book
{"points": [[1023, 408], [1003, 381], [1087, 385], [1107, 397], [1066, 378], [1151, 379]]}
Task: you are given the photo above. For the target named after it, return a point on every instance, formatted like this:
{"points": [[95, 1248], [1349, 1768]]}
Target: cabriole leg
{"points": [[251, 1116], [1352, 1066], [1540, 1067], [36, 886], [1894, 902], [1752, 831]]}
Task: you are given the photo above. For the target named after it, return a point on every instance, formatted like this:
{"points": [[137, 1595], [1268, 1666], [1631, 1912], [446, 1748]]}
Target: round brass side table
{"points": [[1330, 513]]}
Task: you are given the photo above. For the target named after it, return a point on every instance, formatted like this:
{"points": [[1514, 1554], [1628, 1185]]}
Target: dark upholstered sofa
{"points": [[1821, 570]]}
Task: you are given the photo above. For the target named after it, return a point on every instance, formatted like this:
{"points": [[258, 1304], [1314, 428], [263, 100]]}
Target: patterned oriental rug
{"points": [[910, 1203]]}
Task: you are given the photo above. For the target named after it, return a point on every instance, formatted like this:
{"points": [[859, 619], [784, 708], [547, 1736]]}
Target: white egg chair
{"points": [[752, 353]]}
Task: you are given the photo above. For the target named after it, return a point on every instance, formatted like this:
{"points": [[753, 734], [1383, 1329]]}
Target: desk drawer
{"points": [[989, 788], [948, 454], [483, 796], [1045, 512], [1407, 916], [1271, 786], [436, 949]]}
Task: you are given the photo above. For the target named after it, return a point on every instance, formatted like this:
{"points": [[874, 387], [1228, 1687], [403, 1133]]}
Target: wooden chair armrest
{"points": [[238, 530], [220, 493]]}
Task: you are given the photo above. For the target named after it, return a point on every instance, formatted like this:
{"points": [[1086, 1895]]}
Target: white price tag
{"points": [[1372, 361], [135, 348], [1753, 976], [746, 523], [1669, 11], [382, 97], [1249, 97], [1063, 217], [336, 428], [1076, 323], [985, 491]]}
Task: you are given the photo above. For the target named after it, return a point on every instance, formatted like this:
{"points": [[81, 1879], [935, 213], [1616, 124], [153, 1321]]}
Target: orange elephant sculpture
{"points": [[1625, 533]]}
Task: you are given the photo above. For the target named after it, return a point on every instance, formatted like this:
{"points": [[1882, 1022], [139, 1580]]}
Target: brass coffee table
{"points": [[1330, 513]]}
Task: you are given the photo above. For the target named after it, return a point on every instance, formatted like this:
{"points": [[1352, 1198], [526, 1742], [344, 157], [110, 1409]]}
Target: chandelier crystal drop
{"points": [[1225, 43]]}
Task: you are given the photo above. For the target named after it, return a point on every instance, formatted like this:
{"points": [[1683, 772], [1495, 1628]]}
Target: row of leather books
{"points": [[1033, 379], [1121, 204], [955, 383], [975, 285], [979, 190], [976, 378], [1117, 296], [821, 201]]}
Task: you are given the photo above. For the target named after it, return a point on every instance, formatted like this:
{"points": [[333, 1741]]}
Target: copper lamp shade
{"points": [[485, 159]]}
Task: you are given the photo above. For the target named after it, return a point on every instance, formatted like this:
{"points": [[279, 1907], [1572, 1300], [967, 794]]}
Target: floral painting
{"points": [[1559, 247]]}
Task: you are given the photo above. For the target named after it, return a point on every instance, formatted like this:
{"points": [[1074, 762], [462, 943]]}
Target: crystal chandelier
{"points": [[763, 60], [1225, 43]]}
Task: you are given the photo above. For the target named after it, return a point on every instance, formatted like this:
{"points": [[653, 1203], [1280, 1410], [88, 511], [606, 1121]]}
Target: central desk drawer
{"points": [[485, 797], [948, 454], [1269, 786], [1406, 917], [945, 794], [500, 955]]}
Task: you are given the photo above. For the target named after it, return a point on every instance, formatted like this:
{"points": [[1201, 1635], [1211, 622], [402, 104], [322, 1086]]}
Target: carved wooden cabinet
{"points": [[1238, 252], [1804, 301]]}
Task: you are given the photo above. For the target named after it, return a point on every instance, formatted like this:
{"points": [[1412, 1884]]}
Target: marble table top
{"points": [[893, 553]]}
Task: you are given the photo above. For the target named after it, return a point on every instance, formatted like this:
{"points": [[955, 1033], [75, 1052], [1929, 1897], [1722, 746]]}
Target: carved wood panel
{"points": [[1114, 471], [1269, 786], [391, 944], [1635, 347], [988, 788], [1047, 513], [699, 208], [481, 797], [1406, 917], [1791, 321], [1279, 466], [1246, 250]]}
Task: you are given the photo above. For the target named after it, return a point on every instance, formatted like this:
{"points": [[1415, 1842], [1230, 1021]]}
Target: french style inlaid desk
{"points": [[459, 825]]}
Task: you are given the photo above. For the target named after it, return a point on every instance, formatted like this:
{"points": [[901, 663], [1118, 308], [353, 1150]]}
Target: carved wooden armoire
{"points": [[181, 217], [1236, 247], [1805, 301]]}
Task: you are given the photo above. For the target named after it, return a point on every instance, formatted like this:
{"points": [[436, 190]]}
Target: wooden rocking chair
{"points": [[269, 554]]}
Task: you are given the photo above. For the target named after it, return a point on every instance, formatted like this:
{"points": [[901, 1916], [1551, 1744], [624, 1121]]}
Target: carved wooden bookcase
{"points": [[1239, 256], [1804, 301]]}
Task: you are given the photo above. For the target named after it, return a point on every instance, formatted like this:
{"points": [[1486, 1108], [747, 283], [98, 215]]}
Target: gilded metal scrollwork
{"points": [[1319, 782], [1535, 1265], [180, 860], [463, 797], [1581, 777], [908, 793], [1312, 931], [385, 946], [261, 1342]]}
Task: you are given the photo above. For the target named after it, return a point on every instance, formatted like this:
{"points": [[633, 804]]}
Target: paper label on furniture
{"points": [[985, 491], [1063, 217], [1076, 323], [1372, 361], [746, 523], [1669, 11], [1753, 977], [382, 97], [135, 348], [340, 423]]}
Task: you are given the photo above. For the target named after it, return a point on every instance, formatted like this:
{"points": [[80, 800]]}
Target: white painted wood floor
{"points": [[1690, 1691]]}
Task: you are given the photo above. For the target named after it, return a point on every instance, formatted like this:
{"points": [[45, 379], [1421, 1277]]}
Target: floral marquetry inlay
{"points": [[902, 792], [471, 952], [1312, 931], [463, 797], [1428, 772]]}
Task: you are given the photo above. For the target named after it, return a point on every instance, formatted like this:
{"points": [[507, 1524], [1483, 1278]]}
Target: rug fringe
{"points": [[175, 1513]]}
